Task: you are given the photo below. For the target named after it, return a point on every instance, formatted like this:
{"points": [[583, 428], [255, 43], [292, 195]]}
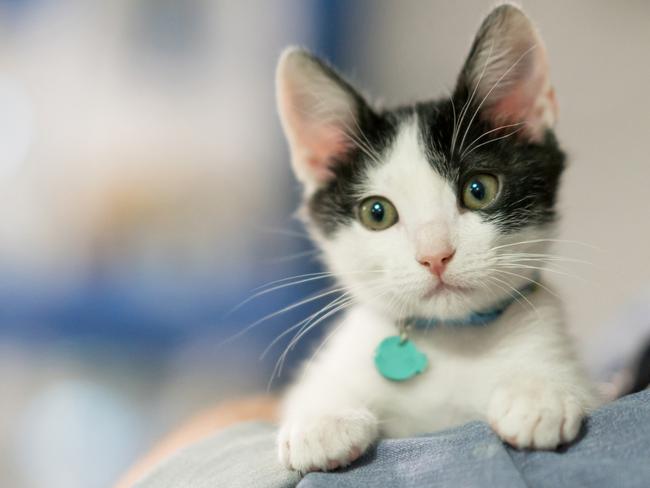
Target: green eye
{"points": [[377, 213], [480, 191]]}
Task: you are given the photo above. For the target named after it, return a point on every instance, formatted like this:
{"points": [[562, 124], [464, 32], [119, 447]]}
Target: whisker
{"points": [[362, 146], [365, 138], [515, 258], [292, 257], [347, 296], [274, 288], [523, 277], [508, 291], [469, 101], [306, 327], [551, 270], [325, 341], [299, 324], [278, 312], [340, 306], [284, 232], [508, 285], [453, 109], [277, 370], [534, 241], [469, 146], [308, 278], [319, 273], [488, 289], [465, 154]]}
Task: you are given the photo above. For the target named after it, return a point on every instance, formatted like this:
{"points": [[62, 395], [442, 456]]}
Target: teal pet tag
{"points": [[398, 359]]}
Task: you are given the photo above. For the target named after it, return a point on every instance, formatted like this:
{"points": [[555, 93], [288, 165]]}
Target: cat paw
{"points": [[534, 418], [328, 442]]}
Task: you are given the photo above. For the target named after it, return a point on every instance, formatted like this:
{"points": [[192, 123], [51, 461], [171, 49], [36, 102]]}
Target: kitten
{"points": [[435, 217]]}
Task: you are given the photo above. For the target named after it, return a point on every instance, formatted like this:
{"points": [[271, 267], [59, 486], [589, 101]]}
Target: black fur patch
{"points": [[335, 204], [529, 172]]}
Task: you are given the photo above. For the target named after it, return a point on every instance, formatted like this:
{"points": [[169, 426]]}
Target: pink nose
{"points": [[437, 263]]}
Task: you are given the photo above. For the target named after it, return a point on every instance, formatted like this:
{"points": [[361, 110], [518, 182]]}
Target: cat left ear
{"points": [[507, 68], [320, 115]]}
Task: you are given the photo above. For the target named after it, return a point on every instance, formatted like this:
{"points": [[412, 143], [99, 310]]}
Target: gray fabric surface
{"points": [[614, 451], [243, 456]]}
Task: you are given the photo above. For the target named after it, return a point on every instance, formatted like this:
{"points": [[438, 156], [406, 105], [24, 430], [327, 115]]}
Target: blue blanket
{"points": [[612, 451]]}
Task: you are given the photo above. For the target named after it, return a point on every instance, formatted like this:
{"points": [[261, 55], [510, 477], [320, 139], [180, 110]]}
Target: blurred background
{"points": [[145, 191]]}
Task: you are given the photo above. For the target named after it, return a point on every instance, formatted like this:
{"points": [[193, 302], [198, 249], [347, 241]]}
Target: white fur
{"points": [[519, 373]]}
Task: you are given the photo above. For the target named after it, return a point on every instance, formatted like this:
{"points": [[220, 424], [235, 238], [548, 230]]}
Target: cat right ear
{"points": [[507, 72], [320, 115]]}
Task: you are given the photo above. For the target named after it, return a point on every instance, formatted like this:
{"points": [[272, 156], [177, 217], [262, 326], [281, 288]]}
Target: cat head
{"points": [[440, 207]]}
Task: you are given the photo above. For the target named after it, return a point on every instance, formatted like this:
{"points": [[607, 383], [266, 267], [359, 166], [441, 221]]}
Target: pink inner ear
{"points": [[529, 99], [321, 144], [316, 137]]}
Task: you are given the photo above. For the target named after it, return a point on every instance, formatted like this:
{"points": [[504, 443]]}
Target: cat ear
{"points": [[507, 69], [319, 112]]}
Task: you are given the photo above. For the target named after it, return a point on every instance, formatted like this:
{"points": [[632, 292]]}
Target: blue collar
{"points": [[475, 319]]}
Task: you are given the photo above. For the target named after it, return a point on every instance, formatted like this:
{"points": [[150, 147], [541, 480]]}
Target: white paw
{"points": [[534, 418], [326, 442]]}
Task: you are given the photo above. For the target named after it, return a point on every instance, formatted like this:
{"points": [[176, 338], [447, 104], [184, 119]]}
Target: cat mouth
{"points": [[443, 287]]}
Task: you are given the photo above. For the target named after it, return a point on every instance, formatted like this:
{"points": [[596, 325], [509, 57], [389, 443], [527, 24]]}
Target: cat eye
{"points": [[480, 191], [377, 213]]}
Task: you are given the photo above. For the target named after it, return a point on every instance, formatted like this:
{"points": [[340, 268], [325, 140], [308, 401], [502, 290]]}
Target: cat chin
{"points": [[445, 304], [451, 306]]}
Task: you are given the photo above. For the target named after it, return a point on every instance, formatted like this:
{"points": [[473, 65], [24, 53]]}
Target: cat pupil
{"points": [[477, 190], [377, 212]]}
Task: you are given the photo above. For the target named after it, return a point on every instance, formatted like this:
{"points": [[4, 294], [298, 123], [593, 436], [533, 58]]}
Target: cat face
{"points": [[428, 209]]}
